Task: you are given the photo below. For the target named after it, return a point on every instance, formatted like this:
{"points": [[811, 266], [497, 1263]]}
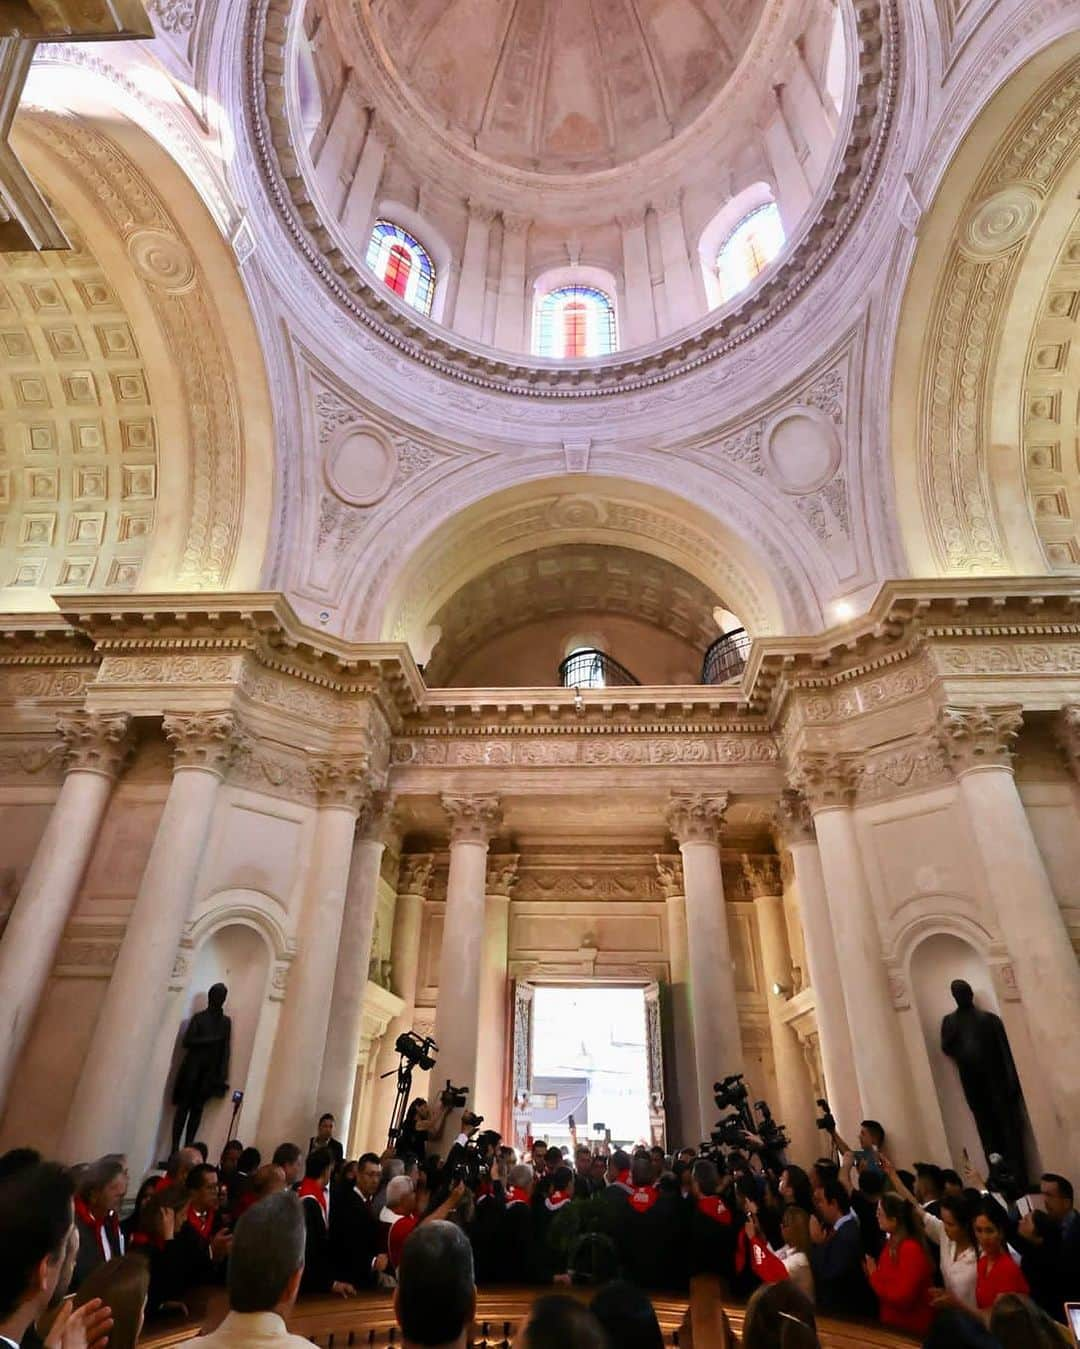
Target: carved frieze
{"points": [[263, 767], [1014, 657], [170, 669], [43, 685], [913, 766], [562, 750], [23, 759]]}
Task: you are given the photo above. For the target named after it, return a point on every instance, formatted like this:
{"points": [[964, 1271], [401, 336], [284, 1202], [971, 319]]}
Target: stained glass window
{"points": [[575, 323], [403, 264], [749, 249]]}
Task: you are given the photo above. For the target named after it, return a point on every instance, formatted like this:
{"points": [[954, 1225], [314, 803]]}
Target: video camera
{"points": [[454, 1097], [416, 1050], [731, 1092], [827, 1121], [734, 1130]]}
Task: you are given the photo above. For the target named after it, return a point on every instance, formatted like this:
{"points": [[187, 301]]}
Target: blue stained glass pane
{"points": [[749, 249], [557, 329], [420, 287]]}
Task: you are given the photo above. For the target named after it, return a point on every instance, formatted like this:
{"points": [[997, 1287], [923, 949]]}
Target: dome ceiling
{"points": [[561, 85]]}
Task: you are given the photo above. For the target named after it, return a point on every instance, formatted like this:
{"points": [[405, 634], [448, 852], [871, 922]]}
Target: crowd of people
{"points": [[929, 1253]]}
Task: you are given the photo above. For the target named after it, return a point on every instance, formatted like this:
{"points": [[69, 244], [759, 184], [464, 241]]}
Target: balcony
{"points": [[725, 660], [588, 668]]}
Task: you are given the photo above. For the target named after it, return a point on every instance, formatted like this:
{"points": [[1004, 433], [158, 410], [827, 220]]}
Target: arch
{"points": [[157, 352], [248, 908], [979, 395], [402, 264], [720, 228]]}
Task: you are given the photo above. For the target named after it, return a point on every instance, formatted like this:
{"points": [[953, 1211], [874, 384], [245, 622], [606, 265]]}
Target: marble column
{"points": [[103, 1111], [472, 287], [95, 749], [793, 192], [345, 1028], [794, 1105], [795, 832], [638, 316], [473, 820], [358, 212], [510, 315], [291, 1103], [414, 886], [679, 289], [979, 742], [696, 821], [683, 1108], [882, 1070], [492, 1098]]}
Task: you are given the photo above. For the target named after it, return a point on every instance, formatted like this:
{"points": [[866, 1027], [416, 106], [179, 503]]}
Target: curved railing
{"points": [[592, 669], [726, 658]]}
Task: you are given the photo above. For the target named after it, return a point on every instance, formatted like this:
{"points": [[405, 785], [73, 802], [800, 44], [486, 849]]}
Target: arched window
{"points": [[402, 264], [749, 249], [575, 323]]}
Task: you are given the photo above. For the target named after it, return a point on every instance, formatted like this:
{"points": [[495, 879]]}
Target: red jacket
{"points": [[902, 1283], [1006, 1276]]}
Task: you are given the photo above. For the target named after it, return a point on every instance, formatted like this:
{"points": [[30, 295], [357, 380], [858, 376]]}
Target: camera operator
{"points": [[422, 1123]]}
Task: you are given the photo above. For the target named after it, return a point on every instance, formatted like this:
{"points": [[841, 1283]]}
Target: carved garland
{"points": [[877, 23]]}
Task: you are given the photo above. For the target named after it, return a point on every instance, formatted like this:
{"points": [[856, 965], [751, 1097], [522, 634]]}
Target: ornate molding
{"points": [[415, 873], [824, 778], [919, 764], [262, 767], [670, 875], [570, 746], [762, 874], [343, 782], [96, 742], [502, 873], [697, 818], [793, 822], [979, 737], [473, 819], [206, 740]]}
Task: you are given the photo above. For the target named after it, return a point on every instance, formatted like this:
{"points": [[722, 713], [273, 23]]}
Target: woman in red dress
{"points": [[903, 1275], [998, 1271]]}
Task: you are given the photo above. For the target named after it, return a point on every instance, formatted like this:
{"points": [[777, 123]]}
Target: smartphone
{"points": [[1072, 1315]]}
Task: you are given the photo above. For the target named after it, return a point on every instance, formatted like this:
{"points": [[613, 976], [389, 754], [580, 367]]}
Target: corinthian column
{"points": [[696, 821], [795, 1098], [414, 885], [95, 748], [683, 1108], [473, 820], [979, 742], [114, 1076], [492, 1097], [795, 830], [881, 1065], [343, 787], [344, 1031]]}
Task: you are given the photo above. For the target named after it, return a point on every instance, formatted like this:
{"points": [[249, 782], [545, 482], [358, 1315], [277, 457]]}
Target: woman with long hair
{"points": [[122, 1285], [795, 1188], [903, 1274], [998, 1272], [952, 1234]]}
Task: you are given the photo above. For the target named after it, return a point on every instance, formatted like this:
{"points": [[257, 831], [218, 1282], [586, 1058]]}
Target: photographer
{"points": [[422, 1123]]}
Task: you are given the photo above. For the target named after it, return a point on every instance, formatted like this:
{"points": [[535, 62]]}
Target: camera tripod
{"points": [[404, 1072]]}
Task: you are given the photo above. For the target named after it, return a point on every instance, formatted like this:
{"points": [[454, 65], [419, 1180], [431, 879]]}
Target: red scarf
{"points": [[106, 1226], [643, 1198], [515, 1196], [557, 1198], [204, 1225], [312, 1189], [714, 1207]]}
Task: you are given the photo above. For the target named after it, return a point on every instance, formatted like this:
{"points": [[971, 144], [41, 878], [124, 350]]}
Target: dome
{"points": [[557, 86]]}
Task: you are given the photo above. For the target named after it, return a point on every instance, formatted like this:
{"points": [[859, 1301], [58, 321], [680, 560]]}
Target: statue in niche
{"points": [[977, 1043], [204, 1069]]}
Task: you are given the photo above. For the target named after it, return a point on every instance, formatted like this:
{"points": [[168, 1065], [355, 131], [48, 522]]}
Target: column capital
{"points": [[479, 210], [95, 742], [515, 224], [1067, 733], [762, 872], [669, 202], [792, 822], [414, 876], [473, 819], [980, 736], [669, 872], [376, 820], [825, 779], [697, 818], [344, 782], [502, 869], [206, 740]]}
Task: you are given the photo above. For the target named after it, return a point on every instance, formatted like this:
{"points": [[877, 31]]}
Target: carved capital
{"points": [[792, 823], [979, 737], [95, 742], [473, 819], [762, 872], [669, 873], [697, 818], [376, 820], [502, 869], [479, 210], [515, 224], [824, 779], [345, 782], [205, 740], [414, 876], [1067, 731]]}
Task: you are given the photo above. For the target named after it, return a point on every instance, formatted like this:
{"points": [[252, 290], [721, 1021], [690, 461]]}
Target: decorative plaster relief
{"points": [[999, 222], [801, 449], [908, 768], [549, 751]]}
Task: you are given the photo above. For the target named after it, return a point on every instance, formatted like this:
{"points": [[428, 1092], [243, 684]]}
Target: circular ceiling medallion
{"points": [[1000, 221], [161, 259], [360, 465], [801, 450]]}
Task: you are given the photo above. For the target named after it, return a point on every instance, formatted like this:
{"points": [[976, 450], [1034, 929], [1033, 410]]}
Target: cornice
{"points": [[877, 28]]}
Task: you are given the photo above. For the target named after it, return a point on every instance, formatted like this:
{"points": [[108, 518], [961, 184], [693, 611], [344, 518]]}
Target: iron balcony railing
{"points": [[592, 669], [726, 658]]}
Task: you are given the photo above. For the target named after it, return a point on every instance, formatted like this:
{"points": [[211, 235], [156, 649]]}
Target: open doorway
{"points": [[589, 1060]]}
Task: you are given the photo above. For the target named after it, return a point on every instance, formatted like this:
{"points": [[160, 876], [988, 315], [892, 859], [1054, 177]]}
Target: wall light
{"points": [[781, 990]]}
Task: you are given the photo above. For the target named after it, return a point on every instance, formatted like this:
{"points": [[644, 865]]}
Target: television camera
{"points": [[742, 1127]]}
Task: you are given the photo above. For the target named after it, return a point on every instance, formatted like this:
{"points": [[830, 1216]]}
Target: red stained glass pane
{"points": [[575, 340], [398, 267]]}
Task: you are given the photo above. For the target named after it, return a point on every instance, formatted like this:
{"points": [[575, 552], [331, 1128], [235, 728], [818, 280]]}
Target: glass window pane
{"points": [[749, 249], [402, 264]]}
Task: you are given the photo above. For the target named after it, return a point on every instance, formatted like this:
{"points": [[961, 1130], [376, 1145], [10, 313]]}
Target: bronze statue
{"points": [[977, 1043], [204, 1069]]}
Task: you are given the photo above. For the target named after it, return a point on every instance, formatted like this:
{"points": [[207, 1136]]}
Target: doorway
{"points": [[590, 1060]]}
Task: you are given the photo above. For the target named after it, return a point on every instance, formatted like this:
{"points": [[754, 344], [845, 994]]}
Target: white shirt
{"points": [[959, 1271], [798, 1268], [243, 1330]]}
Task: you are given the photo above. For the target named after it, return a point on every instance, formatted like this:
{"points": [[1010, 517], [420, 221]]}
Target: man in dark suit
{"points": [[518, 1256], [837, 1254], [324, 1138], [357, 1237]]}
